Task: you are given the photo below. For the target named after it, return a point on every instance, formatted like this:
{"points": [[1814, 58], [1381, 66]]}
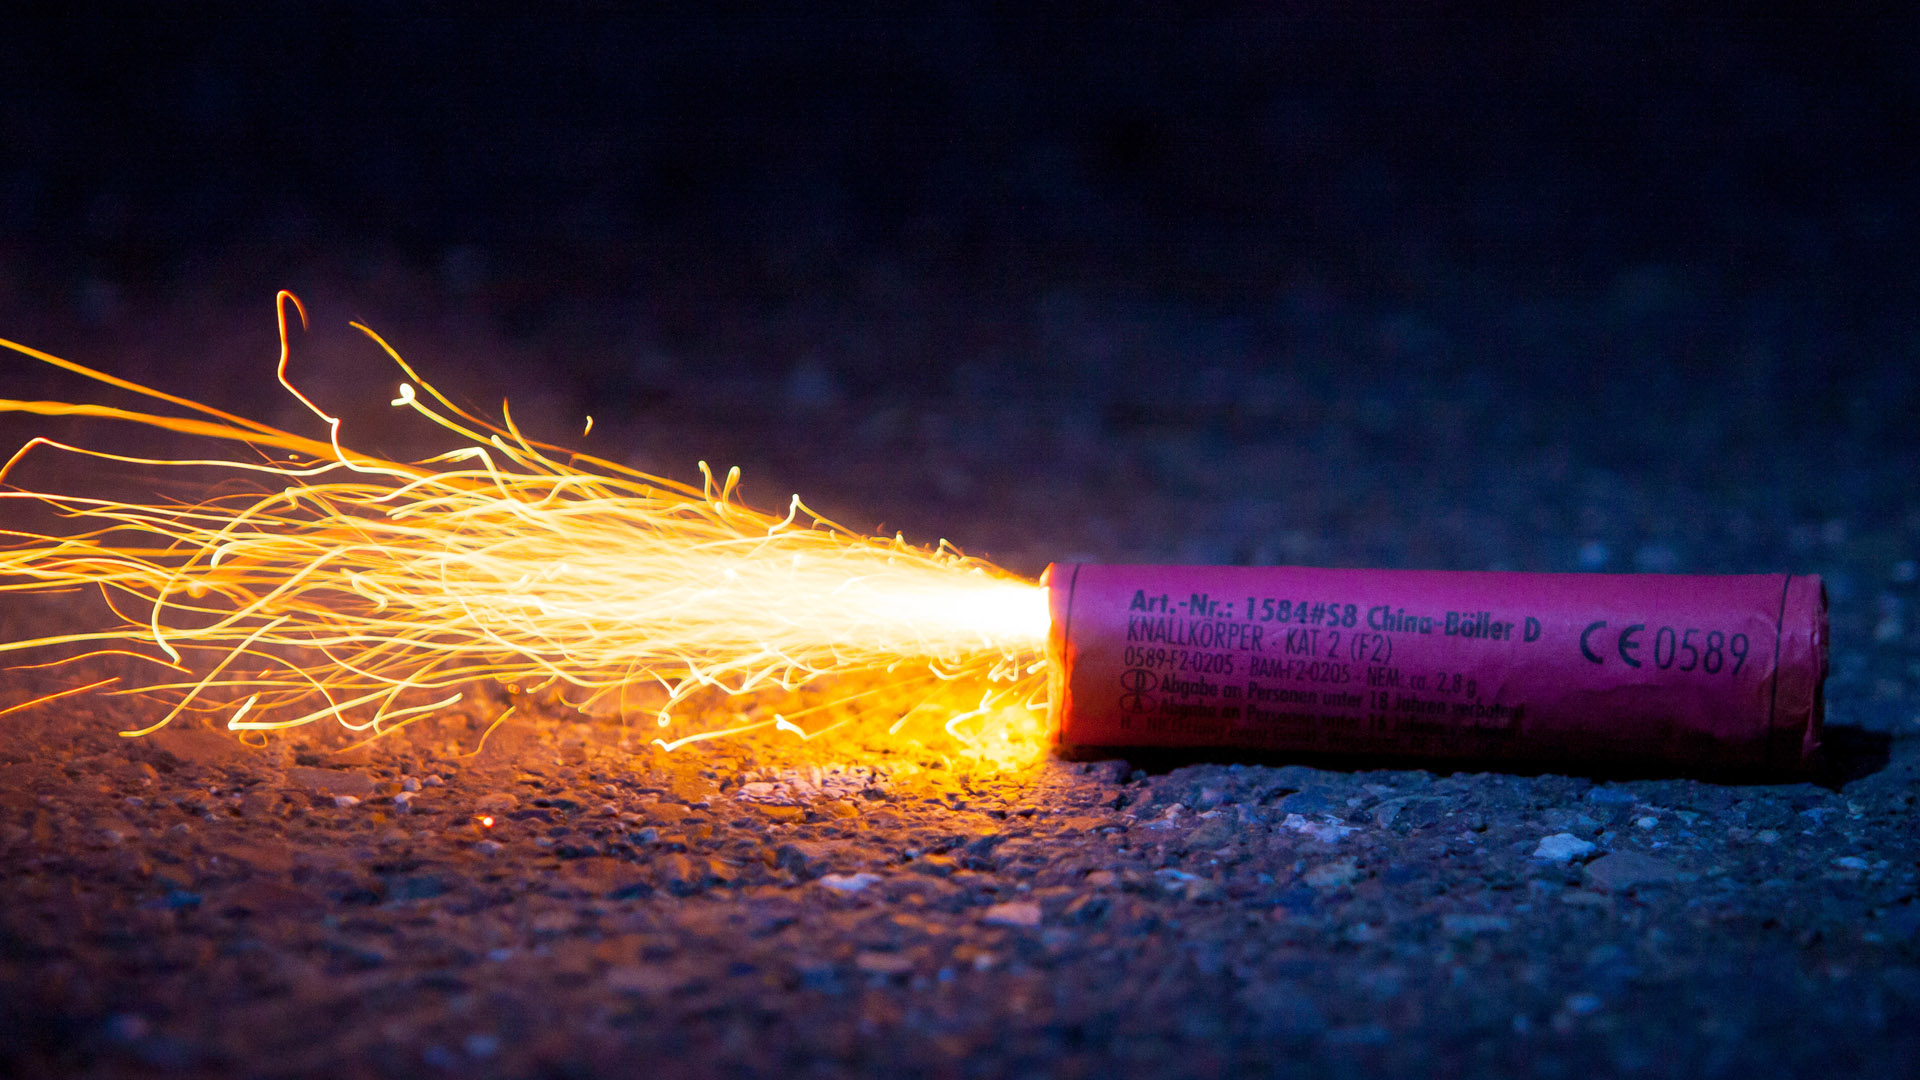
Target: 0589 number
{"points": [[1677, 649]]}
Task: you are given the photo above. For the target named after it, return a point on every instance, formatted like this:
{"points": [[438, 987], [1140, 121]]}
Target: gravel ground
{"points": [[182, 904]]}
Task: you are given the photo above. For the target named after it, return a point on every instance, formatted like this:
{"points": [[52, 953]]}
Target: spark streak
{"points": [[314, 581]]}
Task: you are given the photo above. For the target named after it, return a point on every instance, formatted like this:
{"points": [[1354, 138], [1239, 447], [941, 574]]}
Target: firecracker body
{"points": [[1701, 673]]}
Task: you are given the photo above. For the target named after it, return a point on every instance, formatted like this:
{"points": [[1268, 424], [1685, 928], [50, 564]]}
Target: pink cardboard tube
{"points": [[1699, 673]]}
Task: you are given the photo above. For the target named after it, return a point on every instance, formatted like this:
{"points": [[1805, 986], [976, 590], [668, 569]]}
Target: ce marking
{"points": [[1627, 644]]}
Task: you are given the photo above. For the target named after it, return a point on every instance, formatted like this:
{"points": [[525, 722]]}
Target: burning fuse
{"points": [[1706, 673]]}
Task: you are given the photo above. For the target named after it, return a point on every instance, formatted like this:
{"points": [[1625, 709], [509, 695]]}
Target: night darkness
{"points": [[1615, 289]]}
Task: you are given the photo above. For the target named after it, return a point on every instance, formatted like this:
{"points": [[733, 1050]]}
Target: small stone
{"points": [[1310, 801], [678, 872], [409, 785], [330, 781], [1563, 847], [1087, 908], [1212, 833], [1202, 890], [630, 890], [980, 850], [935, 865], [1173, 880], [265, 895], [1626, 869], [1850, 862], [1582, 1004], [489, 847], [884, 963], [498, 802], [345, 801], [1593, 555], [642, 979], [1647, 822], [403, 802], [1331, 875], [1019, 913], [1385, 812], [416, 887], [433, 780], [1326, 832], [804, 858], [848, 884], [1463, 926]]}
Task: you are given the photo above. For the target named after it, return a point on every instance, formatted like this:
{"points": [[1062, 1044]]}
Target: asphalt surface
{"points": [[182, 904]]}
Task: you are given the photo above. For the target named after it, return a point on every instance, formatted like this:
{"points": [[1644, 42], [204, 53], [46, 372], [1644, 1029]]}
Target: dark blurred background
{"points": [[1226, 259], [784, 150]]}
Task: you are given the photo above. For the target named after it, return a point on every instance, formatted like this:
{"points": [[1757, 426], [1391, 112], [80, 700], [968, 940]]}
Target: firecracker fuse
{"points": [[1701, 673]]}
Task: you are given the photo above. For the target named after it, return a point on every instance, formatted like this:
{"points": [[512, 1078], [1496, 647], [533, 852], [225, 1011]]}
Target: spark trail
{"points": [[314, 582]]}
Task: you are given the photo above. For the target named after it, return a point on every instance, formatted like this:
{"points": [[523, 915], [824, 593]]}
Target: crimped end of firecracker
{"points": [[1799, 699]]}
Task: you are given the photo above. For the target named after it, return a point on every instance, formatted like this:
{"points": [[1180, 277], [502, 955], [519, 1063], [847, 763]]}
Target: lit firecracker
{"points": [[1597, 671], [319, 582]]}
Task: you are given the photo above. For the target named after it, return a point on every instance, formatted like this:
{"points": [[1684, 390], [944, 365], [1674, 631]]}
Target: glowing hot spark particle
{"points": [[319, 582]]}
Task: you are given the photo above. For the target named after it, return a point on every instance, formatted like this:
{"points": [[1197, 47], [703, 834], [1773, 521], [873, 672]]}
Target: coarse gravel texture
{"points": [[182, 904]]}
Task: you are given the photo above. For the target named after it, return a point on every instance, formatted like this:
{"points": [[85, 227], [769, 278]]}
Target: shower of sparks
{"points": [[314, 582]]}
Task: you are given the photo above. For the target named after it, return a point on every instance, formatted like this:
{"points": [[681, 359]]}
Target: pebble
{"points": [[642, 979], [330, 781], [1562, 847], [848, 884], [345, 801], [1462, 926], [1021, 913], [1582, 1004], [1310, 801], [804, 858], [1212, 834], [1332, 875], [1087, 908], [1626, 869], [1328, 832], [1593, 555], [884, 963], [489, 847]]}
